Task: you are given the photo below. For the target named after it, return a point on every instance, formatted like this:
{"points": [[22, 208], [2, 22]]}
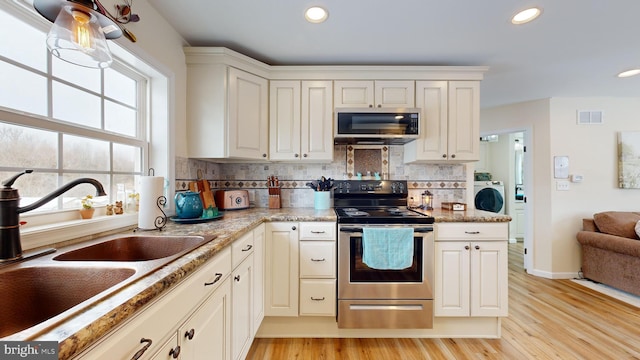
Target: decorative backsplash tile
{"points": [[447, 182]]}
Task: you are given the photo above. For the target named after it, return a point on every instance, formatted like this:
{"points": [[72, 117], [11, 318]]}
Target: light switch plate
{"points": [[562, 185]]}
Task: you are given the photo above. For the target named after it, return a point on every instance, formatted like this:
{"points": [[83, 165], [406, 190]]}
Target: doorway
{"points": [[505, 158]]}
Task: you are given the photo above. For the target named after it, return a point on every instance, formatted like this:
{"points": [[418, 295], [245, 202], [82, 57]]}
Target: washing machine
{"points": [[489, 196]]}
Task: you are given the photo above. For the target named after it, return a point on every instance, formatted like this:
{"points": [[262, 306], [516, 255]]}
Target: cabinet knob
{"points": [[379, 105], [453, 156], [477, 247], [370, 105], [466, 247], [444, 156], [175, 352], [189, 334], [296, 155], [304, 155], [237, 278], [293, 228], [264, 155], [138, 354]]}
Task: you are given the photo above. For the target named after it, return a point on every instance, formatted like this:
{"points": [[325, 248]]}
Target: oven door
{"points": [[356, 280]]}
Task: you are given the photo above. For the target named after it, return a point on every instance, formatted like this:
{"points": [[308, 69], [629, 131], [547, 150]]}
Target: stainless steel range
{"points": [[385, 257]]}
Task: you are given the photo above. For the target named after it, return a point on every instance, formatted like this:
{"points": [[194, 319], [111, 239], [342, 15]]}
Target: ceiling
{"points": [[574, 49]]}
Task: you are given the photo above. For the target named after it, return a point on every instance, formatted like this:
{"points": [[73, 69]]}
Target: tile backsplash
{"points": [[447, 182]]}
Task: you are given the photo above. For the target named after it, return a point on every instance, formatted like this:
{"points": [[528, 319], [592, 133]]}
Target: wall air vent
{"points": [[586, 117]]}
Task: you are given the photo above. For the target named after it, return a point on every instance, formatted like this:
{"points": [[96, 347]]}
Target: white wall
{"points": [[592, 151]]}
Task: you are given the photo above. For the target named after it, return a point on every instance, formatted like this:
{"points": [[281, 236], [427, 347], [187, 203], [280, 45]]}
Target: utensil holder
{"points": [[322, 200], [274, 201]]}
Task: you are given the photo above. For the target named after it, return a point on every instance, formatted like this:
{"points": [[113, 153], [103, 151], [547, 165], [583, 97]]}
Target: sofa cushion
{"points": [[619, 223], [638, 229]]}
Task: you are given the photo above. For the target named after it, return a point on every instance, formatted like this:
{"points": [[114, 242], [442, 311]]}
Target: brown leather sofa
{"points": [[611, 250]]}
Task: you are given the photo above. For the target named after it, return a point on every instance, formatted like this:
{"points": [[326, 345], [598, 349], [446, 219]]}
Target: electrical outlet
{"points": [[562, 185]]}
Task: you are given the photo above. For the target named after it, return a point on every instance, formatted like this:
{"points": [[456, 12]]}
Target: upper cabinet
{"points": [[300, 120], [450, 122], [227, 113], [385, 93]]}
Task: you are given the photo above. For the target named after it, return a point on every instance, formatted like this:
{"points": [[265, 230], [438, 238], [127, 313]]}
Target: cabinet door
{"points": [[248, 115], [258, 276], [207, 333], [431, 98], [489, 278], [284, 120], [281, 286], [464, 120], [451, 297], [316, 137], [353, 94], [394, 93], [241, 307]]}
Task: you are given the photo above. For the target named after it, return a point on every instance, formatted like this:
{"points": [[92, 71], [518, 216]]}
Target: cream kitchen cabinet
{"points": [[450, 122], [471, 262], [259, 276], [242, 308], [160, 328], [281, 269], [384, 93], [300, 121], [227, 113], [318, 269]]}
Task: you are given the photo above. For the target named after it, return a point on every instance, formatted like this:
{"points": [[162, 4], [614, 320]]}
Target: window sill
{"points": [[49, 234]]}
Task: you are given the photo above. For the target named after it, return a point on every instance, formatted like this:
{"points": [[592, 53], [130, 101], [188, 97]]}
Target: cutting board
{"points": [[205, 194]]}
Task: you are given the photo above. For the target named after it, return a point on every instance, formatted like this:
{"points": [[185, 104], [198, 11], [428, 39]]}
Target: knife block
{"points": [[274, 201]]}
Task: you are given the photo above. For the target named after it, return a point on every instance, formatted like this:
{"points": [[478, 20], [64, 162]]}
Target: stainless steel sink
{"points": [[32, 295], [134, 248]]}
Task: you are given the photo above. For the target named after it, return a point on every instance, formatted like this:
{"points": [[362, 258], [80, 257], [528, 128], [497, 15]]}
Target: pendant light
{"points": [[79, 33]]}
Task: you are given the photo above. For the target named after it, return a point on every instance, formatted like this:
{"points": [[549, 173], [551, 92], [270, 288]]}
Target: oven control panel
{"points": [[380, 187]]}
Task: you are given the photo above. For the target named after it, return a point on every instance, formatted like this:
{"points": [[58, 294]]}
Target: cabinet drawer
{"points": [[317, 231], [159, 319], [317, 259], [318, 297], [472, 231], [241, 248]]}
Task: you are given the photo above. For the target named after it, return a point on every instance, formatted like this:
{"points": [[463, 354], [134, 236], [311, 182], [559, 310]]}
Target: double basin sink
{"points": [[39, 293]]}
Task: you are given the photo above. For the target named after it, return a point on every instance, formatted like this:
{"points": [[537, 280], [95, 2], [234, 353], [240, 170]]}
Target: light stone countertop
{"points": [[80, 330]]}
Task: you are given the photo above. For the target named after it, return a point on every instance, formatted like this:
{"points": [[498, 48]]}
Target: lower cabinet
{"points": [[281, 269], [213, 314], [471, 262]]}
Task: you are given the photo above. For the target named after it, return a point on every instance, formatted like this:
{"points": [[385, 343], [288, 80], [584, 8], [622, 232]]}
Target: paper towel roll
{"points": [[151, 188]]}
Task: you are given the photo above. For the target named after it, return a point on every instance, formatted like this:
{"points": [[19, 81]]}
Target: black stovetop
{"points": [[381, 215]]}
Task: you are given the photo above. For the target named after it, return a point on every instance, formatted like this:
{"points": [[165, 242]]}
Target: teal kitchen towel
{"points": [[387, 249]]}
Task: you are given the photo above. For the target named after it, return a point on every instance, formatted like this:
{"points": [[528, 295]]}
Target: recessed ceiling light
{"points": [[628, 73], [316, 14], [525, 16]]}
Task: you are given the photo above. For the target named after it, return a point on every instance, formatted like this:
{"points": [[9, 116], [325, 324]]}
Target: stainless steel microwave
{"points": [[376, 125]]}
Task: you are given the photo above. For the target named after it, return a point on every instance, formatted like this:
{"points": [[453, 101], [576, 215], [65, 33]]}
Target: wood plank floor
{"points": [[548, 319]]}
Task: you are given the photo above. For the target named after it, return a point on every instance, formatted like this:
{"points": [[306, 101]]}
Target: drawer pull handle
{"points": [[237, 278], [249, 247], [318, 260], [144, 348], [189, 334], [317, 299], [218, 277], [318, 232], [175, 352], [472, 232]]}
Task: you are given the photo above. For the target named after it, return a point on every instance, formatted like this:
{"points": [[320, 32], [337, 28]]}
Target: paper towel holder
{"points": [[160, 221]]}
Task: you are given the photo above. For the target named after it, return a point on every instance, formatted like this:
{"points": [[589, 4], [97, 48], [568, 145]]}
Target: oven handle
{"points": [[359, 229]]}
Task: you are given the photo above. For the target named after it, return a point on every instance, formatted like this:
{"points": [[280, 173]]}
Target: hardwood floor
{"points": [[548, 319]]}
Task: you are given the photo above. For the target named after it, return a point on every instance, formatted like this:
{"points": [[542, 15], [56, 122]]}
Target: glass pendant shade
{"points": [[77, 37]]}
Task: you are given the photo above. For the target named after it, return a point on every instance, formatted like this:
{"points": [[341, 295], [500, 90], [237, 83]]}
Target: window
{"points": [[66, 121]]}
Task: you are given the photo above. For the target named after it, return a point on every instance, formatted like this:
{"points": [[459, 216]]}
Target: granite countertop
{"points": [[80, 330]]}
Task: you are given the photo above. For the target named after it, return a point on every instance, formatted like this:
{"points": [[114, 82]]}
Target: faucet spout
{"points": [[10, 245], [64, 188]]}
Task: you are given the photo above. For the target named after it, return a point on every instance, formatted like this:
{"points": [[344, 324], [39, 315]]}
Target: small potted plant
{"points": [[87, 207]]}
